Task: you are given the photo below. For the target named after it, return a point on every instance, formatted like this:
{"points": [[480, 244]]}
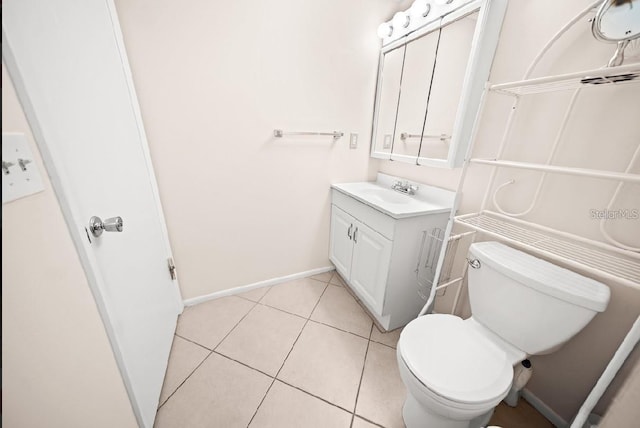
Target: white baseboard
{"points": [[544, 410], [249, 287]]}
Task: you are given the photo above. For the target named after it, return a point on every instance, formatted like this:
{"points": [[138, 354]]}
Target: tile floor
{"points": [[298, 354]]}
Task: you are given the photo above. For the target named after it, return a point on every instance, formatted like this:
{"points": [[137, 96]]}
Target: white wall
{"points": [[603, 134], [214, 79], [58, 369]]}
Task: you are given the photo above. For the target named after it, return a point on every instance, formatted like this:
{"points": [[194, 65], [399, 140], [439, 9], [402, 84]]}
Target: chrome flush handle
{"points": [[474, 263], [97, 226]]}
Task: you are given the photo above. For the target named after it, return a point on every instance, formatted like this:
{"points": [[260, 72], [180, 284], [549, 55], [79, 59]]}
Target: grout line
{"points": [[185, 379], [315, 396], [339, 329], [193, 341], [236, 325], [370, 421], [273, 380], [282, 310], [244, 364], [205, 358], [384, 344], [319, 280], [287, 357], [247, 299], [364, 364]]}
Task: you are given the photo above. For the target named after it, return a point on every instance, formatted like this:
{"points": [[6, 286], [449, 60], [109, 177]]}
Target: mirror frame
{"points": [[485, 41], [596, 29]]}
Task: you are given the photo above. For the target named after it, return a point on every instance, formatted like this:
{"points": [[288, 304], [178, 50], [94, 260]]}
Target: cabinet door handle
{"points": [[349, 231], [355, 239]]}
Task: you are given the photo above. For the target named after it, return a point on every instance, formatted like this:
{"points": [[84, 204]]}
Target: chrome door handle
{"points": [[349, 231], [97, 226], [355, 238]]}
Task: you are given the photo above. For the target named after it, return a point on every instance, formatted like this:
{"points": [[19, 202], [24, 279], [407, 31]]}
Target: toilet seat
{"points": [[455, 363]]}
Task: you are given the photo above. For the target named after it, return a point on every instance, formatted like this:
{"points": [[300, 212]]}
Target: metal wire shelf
{"points": [[621, 75], [594, 257], [567, 170]]}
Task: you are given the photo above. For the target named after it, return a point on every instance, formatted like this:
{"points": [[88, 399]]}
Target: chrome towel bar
{"points": [[442, 137], [279, 133]]}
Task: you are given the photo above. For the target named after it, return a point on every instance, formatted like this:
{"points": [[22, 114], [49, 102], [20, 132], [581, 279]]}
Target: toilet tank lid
{"points": [[543, 276]]}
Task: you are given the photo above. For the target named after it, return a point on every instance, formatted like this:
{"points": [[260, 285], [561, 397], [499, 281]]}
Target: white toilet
{"points": [[456, 371]]}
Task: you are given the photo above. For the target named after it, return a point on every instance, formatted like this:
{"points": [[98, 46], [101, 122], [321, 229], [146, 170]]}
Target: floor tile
{"points": [[184, 358], [389, 338], [382, 392], [220, 393], [327, 363], [285, 406], [339, 309], [254, 295], [263, 339], [209, 322], [324, 277], [361, 423], [297, 297], [522, 416], [336, 279]]}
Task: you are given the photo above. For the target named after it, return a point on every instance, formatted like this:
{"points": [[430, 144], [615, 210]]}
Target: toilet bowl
{"points": [[456, 371], [453, 375]]}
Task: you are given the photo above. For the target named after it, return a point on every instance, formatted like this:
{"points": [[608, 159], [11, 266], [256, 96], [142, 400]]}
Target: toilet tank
{"points": [[531, 303]]}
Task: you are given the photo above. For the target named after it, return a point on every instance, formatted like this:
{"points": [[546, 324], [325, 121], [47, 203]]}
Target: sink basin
{"points": [[379, 195], [386, 196]]}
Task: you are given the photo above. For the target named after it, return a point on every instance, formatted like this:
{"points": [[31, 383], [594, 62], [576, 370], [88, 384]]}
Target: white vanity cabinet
{"points": [[376, 236], [360, 254]]}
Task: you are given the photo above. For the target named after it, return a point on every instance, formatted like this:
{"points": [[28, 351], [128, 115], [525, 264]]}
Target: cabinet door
{"points": [[370, 265], [341, 245]]}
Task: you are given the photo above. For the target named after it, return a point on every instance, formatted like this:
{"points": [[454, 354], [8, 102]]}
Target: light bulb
{"points": [[400, 20], [385, 30], [421, 8]]}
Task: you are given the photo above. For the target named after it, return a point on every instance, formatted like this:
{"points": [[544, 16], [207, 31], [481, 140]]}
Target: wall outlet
{"points": [[353, 141], [20, 175], [387, 141]]}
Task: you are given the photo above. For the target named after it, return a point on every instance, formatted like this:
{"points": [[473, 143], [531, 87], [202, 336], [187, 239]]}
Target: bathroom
{"points": [[213, 81]]}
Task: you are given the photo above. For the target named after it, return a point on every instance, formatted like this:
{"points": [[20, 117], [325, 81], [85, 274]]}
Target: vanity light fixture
{"points": [[419, 14], [385, 30], [421, 8], [401, 20]]}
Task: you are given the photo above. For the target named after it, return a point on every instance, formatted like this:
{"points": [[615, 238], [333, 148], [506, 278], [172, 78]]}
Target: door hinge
{"points": [[172, 269]]}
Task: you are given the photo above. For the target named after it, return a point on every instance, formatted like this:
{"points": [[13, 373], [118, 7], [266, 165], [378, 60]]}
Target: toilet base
{"points": [[416, 416]]}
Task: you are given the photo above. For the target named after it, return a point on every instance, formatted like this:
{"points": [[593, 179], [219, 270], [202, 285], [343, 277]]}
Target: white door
{"points": [[341, 245], [68, 63], [370, 265]]}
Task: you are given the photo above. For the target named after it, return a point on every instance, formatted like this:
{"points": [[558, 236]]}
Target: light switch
{"points": [[353, 142], [20, 176], [387, 141]]}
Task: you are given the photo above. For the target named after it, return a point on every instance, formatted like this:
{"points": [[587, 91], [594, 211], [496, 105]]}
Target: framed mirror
{"points": [[387, 100], [419, 61], [445, 65], [447, 83]]}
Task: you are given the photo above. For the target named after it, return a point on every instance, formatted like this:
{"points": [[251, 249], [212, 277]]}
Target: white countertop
{"points": [[379, 195]]}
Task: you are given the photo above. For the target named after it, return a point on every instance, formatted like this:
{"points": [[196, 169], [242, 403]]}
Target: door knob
{"points": [[97, 226]]}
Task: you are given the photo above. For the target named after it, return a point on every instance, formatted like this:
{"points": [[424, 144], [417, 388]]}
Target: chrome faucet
{"points": [[404, 187]]}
